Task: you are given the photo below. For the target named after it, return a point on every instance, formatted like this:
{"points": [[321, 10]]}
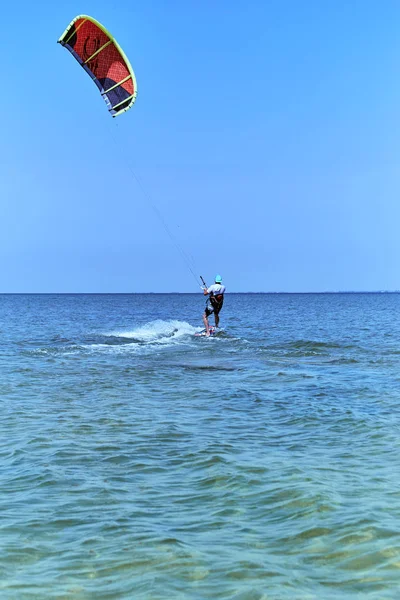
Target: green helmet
{"points": [[218, 279]]}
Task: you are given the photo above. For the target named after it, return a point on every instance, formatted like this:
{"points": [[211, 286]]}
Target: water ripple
{"points": [[139, 461]]}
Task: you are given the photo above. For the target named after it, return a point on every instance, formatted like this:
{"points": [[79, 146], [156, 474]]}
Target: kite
{"points": [[100, 55]]}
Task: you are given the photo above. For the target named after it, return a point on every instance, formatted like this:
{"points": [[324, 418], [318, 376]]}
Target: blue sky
{"points": [[266, 134]]}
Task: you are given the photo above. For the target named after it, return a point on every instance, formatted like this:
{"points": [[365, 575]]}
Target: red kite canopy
{"points": [[102, 58]]}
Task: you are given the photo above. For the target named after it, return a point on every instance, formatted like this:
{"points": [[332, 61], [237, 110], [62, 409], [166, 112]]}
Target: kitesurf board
{"points": [[213, 331]]}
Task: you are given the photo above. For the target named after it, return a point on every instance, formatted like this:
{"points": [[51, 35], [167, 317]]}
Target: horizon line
{"points": [[192, 293]]}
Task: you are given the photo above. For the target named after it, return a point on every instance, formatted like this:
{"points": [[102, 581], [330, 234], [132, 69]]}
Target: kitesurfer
{"points": [[214, 303]]}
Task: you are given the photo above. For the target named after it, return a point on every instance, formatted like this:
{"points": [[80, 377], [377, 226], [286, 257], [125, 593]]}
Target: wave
{"points": [[318, 345], [154, 333], [159, 332]]}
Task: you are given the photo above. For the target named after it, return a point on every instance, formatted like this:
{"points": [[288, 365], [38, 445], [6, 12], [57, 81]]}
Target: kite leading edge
{"points": [[103, 59]]}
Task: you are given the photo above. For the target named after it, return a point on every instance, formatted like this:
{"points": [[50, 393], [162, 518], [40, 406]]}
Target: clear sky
{"points": [[265, 132]]}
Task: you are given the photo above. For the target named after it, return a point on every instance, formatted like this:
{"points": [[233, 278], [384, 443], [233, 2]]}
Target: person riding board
{"points": [[216, 299]]}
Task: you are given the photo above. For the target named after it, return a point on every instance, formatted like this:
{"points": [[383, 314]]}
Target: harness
{"points": [[216, 301]]}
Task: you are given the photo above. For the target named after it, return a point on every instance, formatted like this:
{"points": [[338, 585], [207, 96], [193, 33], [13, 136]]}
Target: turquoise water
{"points": [[138, 461]]}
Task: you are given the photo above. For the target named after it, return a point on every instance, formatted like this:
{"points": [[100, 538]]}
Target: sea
{"points": [[138, 461]]}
